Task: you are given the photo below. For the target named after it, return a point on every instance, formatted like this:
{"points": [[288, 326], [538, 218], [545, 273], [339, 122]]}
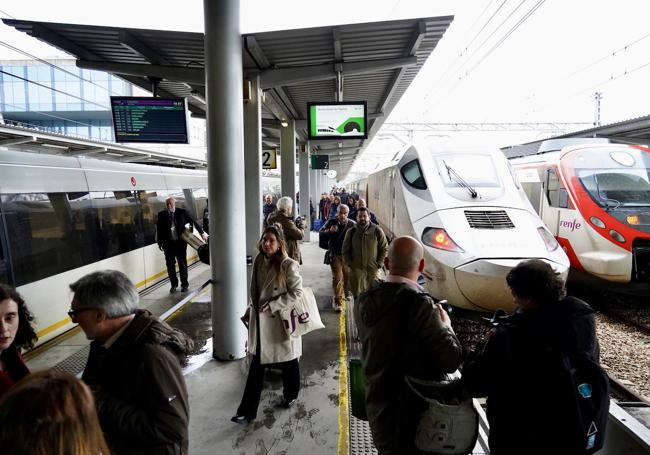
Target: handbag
{"points": [[328, 258], [449, 428], [302, 317]]}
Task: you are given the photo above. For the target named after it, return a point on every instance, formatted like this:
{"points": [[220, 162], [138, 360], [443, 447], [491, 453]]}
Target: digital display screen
{"points": [[320, 162], [342, 120], [149, 119]]}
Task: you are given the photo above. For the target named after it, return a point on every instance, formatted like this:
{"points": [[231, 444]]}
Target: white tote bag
{"points": [[302, 317]]}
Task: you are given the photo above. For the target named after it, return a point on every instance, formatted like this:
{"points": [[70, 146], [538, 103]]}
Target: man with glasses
{"points": [[134, 367]]}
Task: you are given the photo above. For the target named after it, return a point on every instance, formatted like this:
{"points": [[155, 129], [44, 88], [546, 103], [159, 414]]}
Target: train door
{"points": [[560, 210], [5, 263]]}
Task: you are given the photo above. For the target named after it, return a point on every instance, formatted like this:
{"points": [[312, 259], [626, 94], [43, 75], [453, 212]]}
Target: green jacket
{"points": [[364, 251], [400, 334]]}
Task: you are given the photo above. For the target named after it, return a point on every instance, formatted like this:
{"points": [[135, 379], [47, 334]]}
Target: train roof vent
{"points": [[488, 219]]}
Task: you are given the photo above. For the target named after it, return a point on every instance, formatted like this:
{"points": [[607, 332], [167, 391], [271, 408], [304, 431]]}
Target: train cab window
{"points": [[556, 194], [50, 232], [412, 174]]}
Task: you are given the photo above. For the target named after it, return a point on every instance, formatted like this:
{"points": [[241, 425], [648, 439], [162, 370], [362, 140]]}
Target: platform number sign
{"points": [[320, 162], [269, 159]]}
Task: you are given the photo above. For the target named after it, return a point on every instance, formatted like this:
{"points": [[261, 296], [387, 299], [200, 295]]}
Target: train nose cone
{"points": [[483, 282]]}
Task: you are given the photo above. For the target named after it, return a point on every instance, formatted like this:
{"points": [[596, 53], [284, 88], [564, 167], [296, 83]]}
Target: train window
{"points": [[119, 223], [50, 233], [412, 174], [556, 194], [201, 201]]}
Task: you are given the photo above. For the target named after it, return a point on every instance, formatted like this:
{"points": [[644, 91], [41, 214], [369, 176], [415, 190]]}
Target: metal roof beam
{"points": [[128, 41], [17, 140], [167, 72], [416, 39], [336, 36], [89, 151], [54, 39], [298, 75], [131, 159]]}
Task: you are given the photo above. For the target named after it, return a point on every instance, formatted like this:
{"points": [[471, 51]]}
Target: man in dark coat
{"points": [[402, 332], [170, 227], [268, 208], [354, 212], [516, 368], [134, 367], [335, 230]]}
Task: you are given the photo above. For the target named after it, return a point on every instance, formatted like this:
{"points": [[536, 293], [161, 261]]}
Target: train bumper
{"points": [[483, 282]]}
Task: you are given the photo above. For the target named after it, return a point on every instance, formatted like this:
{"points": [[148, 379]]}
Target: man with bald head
{"points": [[402, 332]]}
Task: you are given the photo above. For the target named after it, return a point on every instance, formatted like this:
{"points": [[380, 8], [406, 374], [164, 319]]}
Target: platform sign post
{"points": [[270, 159], [320, 162]]}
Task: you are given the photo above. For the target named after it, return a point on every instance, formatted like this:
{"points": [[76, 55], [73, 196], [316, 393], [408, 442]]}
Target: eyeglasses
{"points": [[74, 313]]}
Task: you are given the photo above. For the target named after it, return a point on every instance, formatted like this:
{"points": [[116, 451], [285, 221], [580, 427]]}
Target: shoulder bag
{"points": [[302, 317], [450, 425]]}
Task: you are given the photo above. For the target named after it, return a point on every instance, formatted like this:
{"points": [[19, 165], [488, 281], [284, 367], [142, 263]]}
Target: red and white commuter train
{"points": [[594, 197]]}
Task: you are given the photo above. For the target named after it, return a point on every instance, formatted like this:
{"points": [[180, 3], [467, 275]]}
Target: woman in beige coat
{"points": [[275, 284]]}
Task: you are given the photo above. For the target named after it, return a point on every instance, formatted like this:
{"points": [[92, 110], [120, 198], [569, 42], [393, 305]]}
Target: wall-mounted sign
{"points": [[320, 162], [342, 120], [269, 159]]}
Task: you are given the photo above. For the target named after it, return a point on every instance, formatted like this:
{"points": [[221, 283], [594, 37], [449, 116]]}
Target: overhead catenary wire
{"points": [[527, 15]]}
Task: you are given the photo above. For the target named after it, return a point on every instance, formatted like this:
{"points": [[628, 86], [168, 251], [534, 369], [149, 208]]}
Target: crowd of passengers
{"points": [[132, 397]]}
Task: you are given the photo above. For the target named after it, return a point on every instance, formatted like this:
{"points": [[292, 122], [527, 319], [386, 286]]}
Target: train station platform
{"points": [[319, 423]]}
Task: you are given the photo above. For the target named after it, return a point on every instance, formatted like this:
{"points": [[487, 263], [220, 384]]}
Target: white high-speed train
{"points": [[472, 216], [63, 217]]}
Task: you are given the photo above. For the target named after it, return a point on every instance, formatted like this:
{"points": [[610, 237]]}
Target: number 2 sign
{"points": [[269, 159]]}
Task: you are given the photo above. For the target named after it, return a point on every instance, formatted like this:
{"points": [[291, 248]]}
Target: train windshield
{"points": [[474, 169], [615, 178]]}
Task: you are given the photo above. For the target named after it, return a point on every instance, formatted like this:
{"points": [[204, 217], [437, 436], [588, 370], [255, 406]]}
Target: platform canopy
{"points": [[374, 62]]}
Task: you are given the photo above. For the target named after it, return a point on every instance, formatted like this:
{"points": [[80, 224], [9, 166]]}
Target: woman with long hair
{"points": [[16, 333], [50, 413], [275, 284]]}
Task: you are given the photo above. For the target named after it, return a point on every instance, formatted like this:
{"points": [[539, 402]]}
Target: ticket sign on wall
{"points": [[269, 159], [342, 120], [320, 162]]}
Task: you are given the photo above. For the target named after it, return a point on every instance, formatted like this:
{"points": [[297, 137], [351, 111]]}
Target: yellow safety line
{"points": [[61, 323], [344, 416]]}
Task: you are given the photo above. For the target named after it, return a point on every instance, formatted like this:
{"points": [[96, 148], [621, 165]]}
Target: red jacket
{"points": [[15, 369]]}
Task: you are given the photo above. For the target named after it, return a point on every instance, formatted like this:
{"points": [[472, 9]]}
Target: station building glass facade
{"points": [[79, 105]]}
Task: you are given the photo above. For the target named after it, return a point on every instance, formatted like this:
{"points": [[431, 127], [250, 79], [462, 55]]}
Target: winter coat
{"points": [[139, 388], [335, 239], [400, 334], [513, 370], [292, 233], [364, 251], [275, 345], [15, 368]]}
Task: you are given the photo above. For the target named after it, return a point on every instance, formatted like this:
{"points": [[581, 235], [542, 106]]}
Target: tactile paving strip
{"points": [[74, 364], [360, 437]]}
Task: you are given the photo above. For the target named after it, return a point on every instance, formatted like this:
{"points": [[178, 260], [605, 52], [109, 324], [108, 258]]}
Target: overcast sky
{"points": [[485, 69]]}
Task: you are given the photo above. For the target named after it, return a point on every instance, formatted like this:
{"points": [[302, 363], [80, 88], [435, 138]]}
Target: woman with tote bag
{"points": [[275, 285]]}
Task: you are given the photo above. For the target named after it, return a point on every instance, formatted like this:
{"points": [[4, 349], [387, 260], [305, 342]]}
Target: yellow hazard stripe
{"points": [[66, 321], [344, 417]]}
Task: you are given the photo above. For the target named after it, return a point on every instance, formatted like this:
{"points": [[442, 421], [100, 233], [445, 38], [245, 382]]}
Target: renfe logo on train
{"points": [[573, 224]]}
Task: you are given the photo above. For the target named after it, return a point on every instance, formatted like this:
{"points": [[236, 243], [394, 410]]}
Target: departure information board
{"points": [[149, 119]]}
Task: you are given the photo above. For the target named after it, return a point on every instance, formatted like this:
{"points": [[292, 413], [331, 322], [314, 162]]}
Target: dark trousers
{"points": [[176, 251], [251, 399]]}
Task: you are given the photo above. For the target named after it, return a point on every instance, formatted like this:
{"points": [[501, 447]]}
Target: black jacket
{"points": [[181, 218], [139, 387], [335, 239], [513, 370]]}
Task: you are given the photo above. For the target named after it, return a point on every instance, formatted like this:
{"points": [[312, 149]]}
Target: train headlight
{"points": [[438, 238], [633, 219], [597, 222], [617, 236], [549, 240]]}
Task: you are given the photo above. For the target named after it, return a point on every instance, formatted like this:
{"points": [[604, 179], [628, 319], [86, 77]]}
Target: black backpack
{"points": [[587, 400]]}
